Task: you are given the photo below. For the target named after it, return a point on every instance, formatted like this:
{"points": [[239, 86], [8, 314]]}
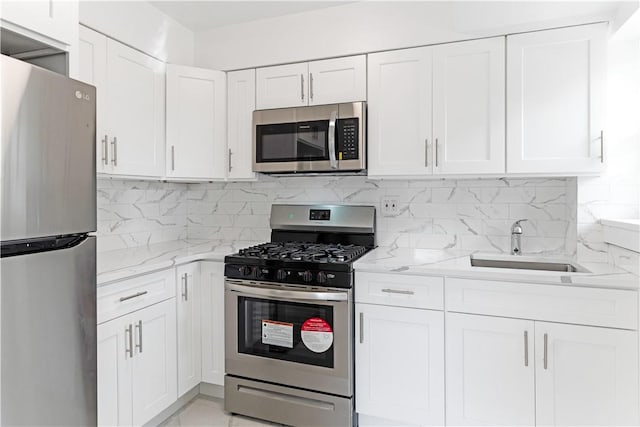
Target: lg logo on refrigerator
{"points": [[84, 96]]}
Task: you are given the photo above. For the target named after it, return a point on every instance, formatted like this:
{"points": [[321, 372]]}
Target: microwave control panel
{"points": [[347, 139]]}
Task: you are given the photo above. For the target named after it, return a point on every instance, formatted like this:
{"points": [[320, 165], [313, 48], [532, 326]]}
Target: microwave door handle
{"points": [[332, 140]]}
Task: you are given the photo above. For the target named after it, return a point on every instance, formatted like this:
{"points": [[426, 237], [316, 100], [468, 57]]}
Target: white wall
{"points": [[141, 26], [380, 25]]}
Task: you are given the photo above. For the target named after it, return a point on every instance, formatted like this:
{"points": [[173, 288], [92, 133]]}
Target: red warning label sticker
{"points": [[317, 334]]}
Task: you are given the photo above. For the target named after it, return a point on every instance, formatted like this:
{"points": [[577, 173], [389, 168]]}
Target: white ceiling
{"points": [[201, 15]]}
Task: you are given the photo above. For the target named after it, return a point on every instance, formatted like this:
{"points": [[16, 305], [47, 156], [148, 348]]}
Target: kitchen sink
{"points": [[527, 264]]}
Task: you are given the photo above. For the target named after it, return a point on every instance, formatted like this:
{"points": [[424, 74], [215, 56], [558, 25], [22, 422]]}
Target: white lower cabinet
{"points": [[188, 311], [503, 371], [137, 365], [586, 375], [400, 364], [212, 322], [490, 371]]}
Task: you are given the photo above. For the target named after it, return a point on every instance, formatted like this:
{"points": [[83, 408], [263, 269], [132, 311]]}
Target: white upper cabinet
{"points": [[586, 375], [196, 123], [129, 106], [135, 111], [555, 99], [241, 101], [328, 81], [437, 110], [400, 112], [468, 107], [490, 371], [282, 86], [54, 19], [338, 80], [92, 48]]}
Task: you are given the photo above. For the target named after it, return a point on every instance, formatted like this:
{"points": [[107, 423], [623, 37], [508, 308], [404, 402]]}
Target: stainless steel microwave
{"points": [[322, 138]]}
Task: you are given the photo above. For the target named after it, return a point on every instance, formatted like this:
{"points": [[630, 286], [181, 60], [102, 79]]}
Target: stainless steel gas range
{"points": [[289, 333]]}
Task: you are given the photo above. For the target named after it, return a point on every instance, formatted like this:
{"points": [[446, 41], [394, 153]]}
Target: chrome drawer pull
{"points": [[545, 351], [361, 327], [128, 331], [139, 294], [139, 343], [397, 291], [526, 348]]}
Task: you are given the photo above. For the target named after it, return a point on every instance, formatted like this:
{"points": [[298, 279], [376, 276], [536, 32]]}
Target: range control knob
{"points": [[281, 274], [322, 277], [245, 270], [307, 276]]}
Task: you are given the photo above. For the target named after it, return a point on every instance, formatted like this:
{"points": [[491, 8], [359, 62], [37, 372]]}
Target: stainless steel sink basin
{"points": [[528, 265]]}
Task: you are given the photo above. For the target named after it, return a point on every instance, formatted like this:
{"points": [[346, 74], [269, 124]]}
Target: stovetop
{"points": [[315, 264], [309, 252]]}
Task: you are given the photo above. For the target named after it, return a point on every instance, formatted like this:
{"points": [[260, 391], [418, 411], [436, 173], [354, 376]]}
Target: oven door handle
{"points": [[290, 295]]}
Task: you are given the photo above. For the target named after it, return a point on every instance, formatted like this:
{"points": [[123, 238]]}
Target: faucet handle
{"points": [[516, 228]]}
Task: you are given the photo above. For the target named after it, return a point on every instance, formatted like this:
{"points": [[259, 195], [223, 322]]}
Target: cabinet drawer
{"points": [[133, 294], [399, 290], [585, 306]]}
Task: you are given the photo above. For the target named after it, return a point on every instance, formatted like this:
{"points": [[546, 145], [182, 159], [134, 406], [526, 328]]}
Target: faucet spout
{"points": [[516, 237]]}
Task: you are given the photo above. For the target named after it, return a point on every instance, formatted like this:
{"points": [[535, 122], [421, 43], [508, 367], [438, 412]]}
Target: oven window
{"points": [[273, 328], [286, 142]]}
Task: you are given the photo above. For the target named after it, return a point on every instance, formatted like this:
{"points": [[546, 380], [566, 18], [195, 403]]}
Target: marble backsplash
{"points": [[433, 214], [138, 213]]}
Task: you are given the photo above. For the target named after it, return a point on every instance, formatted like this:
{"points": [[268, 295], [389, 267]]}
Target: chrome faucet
{"points": [[516, 237]]}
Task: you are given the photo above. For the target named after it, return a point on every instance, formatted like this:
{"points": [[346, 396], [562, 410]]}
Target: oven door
{"points": [[290, 335]]}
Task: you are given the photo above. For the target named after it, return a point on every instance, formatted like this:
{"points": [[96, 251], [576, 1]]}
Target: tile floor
{"points": [[208, 411]]}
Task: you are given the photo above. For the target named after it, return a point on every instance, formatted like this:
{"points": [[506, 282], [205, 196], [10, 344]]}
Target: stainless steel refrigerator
{"points": [[48, 260]]}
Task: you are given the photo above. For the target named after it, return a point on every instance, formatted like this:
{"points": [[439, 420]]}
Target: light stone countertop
{"points": [[124, 263], [457, 264]]}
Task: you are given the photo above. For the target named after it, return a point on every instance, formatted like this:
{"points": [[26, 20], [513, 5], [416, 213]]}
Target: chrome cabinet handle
{"points": [[128, 331], [105, 150], [436, 153], [302, 87], [332, 140], [136, 295], [361, 327], [139, 343], [398, 291], [230, 153], [526, 348], [114, 146], [545, 351], [426, 152], [601, 146], [173, 157], [311, 86], [185, 286]]}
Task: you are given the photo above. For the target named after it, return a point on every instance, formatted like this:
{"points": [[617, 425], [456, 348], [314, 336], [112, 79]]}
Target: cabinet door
{"points": [[338, 80], [241, 89], [55, 19], [92, 49], [282, 86], [114, 372], [555, 84], [188, 311], [468, 107], [399, 109], [212, 282], [196, 123], [490, 371], [586, 375], [154, 363], [400, 364], [135, 111]]}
